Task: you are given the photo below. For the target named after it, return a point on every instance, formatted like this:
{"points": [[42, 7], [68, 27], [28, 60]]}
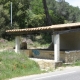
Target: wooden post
{"points": [[17, 44]]}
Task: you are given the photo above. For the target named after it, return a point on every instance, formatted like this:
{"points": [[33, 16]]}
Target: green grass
{"points": [[14, 65], [77, 63]]}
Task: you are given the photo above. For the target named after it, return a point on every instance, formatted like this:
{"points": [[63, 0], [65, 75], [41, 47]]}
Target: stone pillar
{"points": [[17, 44], [56, 47]]}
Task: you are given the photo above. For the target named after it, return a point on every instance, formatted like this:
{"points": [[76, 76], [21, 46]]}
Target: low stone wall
{"points": [[47, 54], [72, 56], [65, 56], [45, 64]]}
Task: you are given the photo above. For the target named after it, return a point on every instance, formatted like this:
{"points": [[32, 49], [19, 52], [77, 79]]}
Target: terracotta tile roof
{"points": [[52, 27]]}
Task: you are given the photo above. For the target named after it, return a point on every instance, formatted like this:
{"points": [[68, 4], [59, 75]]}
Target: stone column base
{"points": [[58, 64]]}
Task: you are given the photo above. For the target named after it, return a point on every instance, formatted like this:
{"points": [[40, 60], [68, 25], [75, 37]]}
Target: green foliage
{"points": [[30, 13], [4, 20], [13, 65], [36, 20], [46, 37], [69, 12], [56, 19], [37, 7]]}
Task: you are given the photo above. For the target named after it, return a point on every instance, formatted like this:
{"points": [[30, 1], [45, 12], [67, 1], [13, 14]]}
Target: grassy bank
{"points": [[13, 65]]}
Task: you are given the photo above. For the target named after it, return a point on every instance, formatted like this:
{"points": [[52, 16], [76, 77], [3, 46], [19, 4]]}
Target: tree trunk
{"points": [[48, 19]]}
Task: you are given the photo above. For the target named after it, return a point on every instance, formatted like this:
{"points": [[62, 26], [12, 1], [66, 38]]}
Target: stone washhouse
{"points": [[65, 42]]}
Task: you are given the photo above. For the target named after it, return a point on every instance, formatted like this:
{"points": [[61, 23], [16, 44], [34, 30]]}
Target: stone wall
{"points": [[45, 58], [72, 56], [65, 56], [45, 64]]}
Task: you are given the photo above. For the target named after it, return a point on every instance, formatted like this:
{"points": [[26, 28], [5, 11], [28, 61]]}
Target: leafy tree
{"points": [[34, 13], [4, 20]]}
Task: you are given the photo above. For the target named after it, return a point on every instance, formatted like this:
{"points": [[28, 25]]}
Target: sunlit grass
{"points": [[13, 65]]}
